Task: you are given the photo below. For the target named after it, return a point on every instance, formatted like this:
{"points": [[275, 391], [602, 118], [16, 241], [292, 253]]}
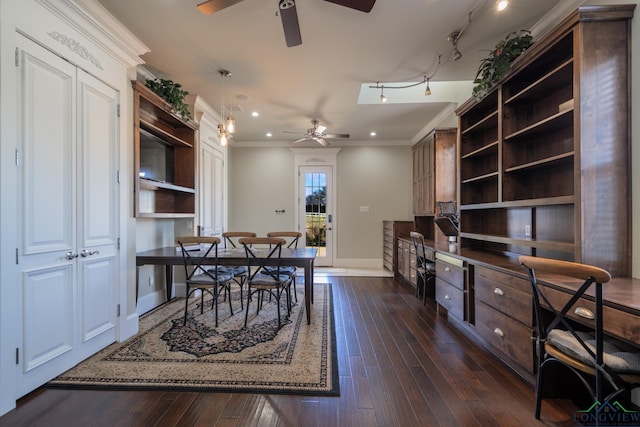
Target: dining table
{"points": [[169, 256]]}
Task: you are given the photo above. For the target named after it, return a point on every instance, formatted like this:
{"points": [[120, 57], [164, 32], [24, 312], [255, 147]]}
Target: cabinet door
{"points": [[69, 205], [212, 187]]}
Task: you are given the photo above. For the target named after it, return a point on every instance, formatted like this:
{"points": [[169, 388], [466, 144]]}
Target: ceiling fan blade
{"points": [[361, 5], [290, 131], [300, 140], [320, 141], [336, 135], [290, 24], [212, 6]]}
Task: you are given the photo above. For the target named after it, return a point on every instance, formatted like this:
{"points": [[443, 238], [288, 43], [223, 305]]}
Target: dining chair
{"points": [[425, 268], [239, 273], [291, 238], [573, 334], [200, 259], [264, 274]]}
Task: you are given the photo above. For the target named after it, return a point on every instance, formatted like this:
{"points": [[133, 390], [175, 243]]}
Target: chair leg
{"points": [[539, 391], [186, 306], [246, 313]]}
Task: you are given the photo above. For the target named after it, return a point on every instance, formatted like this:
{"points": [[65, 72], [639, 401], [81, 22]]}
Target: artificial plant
{"points": [[496, 65], [172, 93]]}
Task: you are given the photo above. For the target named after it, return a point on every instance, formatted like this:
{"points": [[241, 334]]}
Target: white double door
{"points": [[67, 259]]}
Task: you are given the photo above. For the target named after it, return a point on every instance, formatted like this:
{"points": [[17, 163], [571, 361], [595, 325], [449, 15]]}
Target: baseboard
{"points": [[357, 263], [128, 327], [150, 301]]}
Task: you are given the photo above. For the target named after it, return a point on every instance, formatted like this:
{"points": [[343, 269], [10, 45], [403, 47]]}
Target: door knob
{"points": [[71, 255], [85, 253]]}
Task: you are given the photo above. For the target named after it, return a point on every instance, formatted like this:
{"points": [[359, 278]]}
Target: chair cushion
{"points": [[283, 270], [205, 278], [615, 355], [235, 271], [267, 279]]}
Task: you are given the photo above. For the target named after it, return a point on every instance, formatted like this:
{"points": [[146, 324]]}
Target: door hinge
{"points": [[118, 110], [118, 315], [17, 260], [17, 356], [118, 177], [17, 57], [118, 244], [17, 157]]}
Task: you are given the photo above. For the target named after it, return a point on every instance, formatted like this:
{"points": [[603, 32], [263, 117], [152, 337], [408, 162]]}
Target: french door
{"points": [[316, 211], [68, 208]]}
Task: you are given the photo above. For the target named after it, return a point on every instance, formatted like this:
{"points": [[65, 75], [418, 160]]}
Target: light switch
{"points": [[364, 208]]}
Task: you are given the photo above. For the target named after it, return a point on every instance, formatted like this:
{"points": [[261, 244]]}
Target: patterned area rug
{"points": [[165, 355]]}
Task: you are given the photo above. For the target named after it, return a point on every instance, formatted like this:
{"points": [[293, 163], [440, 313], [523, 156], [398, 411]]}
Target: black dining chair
{"points": [[425, 268], [571, 334], [264, 274], [291, 238], [200, 259]]}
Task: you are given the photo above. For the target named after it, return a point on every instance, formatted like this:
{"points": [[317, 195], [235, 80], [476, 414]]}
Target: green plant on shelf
{"points": [[496, 65], [172, 93]]}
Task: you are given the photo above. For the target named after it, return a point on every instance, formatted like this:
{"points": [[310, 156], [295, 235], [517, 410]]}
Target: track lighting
{"points": [[382, 97], [453, 38], [427, 90]]}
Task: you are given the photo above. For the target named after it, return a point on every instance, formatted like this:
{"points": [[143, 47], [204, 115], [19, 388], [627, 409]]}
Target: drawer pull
{"points": [[447, 269], [498, 332], [583, 312], [498, 291], [447, 296]]}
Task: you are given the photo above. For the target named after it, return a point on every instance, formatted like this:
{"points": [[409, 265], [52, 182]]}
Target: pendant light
{"points": [[228, 128]]}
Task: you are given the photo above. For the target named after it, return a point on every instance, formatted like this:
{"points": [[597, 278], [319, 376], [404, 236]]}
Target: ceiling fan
{"points": [[317, 133], [288, 14]]}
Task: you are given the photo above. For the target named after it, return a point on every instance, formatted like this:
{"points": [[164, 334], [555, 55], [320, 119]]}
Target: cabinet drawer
{"points": [[450, 273], [450, 298], [615, 322], [508, 294], [505, 334]]}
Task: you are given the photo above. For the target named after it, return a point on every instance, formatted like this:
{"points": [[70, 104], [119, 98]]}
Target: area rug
{"points": [[165, 355]]}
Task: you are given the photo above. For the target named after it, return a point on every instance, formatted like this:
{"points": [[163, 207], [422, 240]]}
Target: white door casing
{"points": [[67, 208], [211, 189], [316, 224]]}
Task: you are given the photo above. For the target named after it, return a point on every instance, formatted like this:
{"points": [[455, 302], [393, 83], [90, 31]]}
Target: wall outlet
{"points": [[527, 230]]}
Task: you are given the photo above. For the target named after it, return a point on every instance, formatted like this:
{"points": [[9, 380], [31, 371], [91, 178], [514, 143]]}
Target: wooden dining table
{"points": [[169, 257]]}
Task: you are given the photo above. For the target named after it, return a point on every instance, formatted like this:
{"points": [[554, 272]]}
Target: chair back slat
{"points": [[292, 236], [198, 261], [260, 252], [231, 238]]}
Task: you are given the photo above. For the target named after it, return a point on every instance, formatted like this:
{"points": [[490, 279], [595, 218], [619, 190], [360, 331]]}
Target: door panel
{"points": [[48, 317], [212, 194]]}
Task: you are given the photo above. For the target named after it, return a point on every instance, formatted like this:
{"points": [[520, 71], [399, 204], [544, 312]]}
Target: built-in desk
{"points": [[498, 309]]}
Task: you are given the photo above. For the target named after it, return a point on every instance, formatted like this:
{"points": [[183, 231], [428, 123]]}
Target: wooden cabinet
{"points": [[434, 178], [391, 232], [451, 285], [504, 314], [407, 261], [164, 158], [544, 158]]}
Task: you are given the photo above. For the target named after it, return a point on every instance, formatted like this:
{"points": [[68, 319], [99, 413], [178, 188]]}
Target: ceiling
{"points": [[342, 52]]}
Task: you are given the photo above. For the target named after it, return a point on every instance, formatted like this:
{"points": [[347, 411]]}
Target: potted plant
{"points": [[172, 93], [496, 65]]}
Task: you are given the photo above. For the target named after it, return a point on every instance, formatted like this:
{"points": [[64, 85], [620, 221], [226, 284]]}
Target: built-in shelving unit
{"points": [[164, 158], [544, 157]]}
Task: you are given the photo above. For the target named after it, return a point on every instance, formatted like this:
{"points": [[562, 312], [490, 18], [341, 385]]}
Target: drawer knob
{"points": [[583, 312], [447, 269], [498, 291], [447, 296], [498, 332]]}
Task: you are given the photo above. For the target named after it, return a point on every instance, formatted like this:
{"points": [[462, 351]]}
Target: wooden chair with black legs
{"points": [[425, 268], [264, 262], [200, 259], [292, 238], [573, 336]]}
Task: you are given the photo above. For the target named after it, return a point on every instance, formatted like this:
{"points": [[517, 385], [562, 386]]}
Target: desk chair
{"points": [[201, 276], [292, 238], [263, 278], [425, 268], [581, 347]]}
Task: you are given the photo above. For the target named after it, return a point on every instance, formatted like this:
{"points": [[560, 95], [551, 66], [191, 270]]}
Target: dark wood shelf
{"points": [[152, 185], [558, 120], [164, 135], [480, 150], [554, 79], [531, 243], [546, 162], [480, 178], [485, 123]]}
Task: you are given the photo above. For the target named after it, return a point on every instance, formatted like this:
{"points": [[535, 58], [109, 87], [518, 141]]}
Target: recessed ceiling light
{"points": [[255, 113], [502, 5], [373, 134], [269, 134]]}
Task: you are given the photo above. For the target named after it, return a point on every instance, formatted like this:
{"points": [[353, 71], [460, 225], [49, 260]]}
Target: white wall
{"points": [[262, 180]]}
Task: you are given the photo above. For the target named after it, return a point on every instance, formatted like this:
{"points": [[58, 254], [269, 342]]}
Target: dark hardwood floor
{"points": [[401, 364]]}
